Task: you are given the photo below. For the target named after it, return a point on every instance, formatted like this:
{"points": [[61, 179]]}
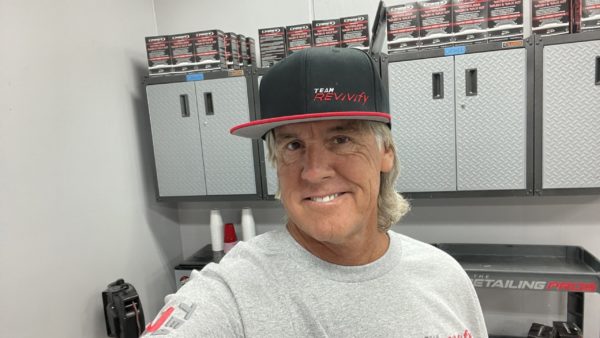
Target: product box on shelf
{"points": [[159, 55], [505, 20], [355, 31], [327, 33], [182, 52], [470, 21], [272, 45], [242, 51], [436, 23], [251, 51], [550, 17], [209, 50], [298, 37], [231, 51], [590, 17], [403, 27]]}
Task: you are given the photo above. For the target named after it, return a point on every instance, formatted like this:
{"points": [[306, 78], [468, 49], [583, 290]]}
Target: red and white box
{"points": [[551, 17], [355, 32], [436, 23], [505, 20], [209, 50], [470, 21], [590, 17], [272, 45], [298, 37], [182, 52], [159, 55], [327, 33], [403, 27]]}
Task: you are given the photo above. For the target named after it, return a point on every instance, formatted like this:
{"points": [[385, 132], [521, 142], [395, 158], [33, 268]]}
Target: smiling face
{"points": [[329, 176]]}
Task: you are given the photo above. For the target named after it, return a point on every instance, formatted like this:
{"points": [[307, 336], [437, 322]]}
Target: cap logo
{"points": [[329, 94]]}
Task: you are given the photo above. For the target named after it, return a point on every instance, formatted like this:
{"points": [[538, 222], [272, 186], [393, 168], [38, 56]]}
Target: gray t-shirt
{"points": [[272, 287]]}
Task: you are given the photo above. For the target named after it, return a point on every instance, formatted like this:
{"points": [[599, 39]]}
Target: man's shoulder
{"points": [[417, 252]]}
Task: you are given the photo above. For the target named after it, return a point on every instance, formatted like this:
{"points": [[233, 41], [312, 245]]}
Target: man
{"points": [[335, 269]]}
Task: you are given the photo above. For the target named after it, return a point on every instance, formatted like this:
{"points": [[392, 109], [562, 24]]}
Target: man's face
{"points": [[329, 176]]}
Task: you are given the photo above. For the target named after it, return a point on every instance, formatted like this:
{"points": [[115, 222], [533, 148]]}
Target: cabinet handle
{"points": [[471, 82], [437, 85], [597, 70], [184, 103], [208, 104]]}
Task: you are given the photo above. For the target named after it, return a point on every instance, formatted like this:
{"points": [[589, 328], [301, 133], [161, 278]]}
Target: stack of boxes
{"points": [[198, 51], [278, 42], [440, 23]]}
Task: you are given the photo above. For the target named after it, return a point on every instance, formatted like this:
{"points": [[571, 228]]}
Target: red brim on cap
{"points": [[257, 129]]}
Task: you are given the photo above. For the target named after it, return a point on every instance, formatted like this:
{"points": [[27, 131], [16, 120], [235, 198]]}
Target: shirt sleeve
{"points": [[203, 307]]}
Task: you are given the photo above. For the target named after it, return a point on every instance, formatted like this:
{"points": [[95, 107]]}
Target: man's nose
{"points": [[317, 163]]}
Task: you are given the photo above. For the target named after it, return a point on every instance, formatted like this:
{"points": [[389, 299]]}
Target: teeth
{"points": [[324, 199]]}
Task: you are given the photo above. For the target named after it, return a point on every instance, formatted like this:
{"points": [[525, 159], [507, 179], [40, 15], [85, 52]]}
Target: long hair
{"points": [[391, 206]]}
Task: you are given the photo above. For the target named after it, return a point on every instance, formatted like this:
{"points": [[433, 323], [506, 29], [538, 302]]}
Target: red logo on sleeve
{"points": [[152, 327]]}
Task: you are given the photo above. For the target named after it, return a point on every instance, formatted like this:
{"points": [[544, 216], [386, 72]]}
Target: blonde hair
{"points": [[391, 206]]}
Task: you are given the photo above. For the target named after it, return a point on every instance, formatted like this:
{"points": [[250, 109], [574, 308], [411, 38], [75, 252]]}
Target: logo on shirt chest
{"points": [[465, 334]]}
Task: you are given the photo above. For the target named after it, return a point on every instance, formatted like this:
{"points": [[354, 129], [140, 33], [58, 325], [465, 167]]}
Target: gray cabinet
{"points": [[195, 156], [461, 122], [568, 114]]}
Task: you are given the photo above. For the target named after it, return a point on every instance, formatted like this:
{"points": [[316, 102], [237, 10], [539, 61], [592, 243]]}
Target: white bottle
{"points": [[216, 230], [248, 226]]}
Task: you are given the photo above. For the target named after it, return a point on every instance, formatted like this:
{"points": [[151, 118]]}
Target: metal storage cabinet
{"points": [[461, 119], [176, 139], [568, 116], [228, 159], [422, 108], [195, 155], [491, 120]]}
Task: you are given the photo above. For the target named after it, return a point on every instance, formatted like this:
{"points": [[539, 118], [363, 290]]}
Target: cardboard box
{"points": [[355, 32], [272, 45], [182, 52], [327, 33], [470, 21], [436, 23], [505, 20], [403, 27], [298, 37], [590, 17], [251, 51], [232, 54], [550, 17], [159, 54], [209, 50]]}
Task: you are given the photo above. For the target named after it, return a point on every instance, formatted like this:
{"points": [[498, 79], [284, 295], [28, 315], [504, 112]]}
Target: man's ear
{"points": [[387, 160]]}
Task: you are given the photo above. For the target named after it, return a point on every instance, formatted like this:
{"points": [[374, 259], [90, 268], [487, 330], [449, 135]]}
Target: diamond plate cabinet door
{"points": [[176, 139], [571, 116], [228, 160], [422, 108], [491, 120]]}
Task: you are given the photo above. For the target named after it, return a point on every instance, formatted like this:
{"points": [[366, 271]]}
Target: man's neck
{"points": [[360, 250]]}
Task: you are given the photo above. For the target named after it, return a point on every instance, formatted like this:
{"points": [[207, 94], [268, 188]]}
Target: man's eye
{"points": [[292, 145], [341, 139]]}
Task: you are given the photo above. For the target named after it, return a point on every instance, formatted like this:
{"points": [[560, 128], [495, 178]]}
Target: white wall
{"points": [[77, 206], [531, 220]]}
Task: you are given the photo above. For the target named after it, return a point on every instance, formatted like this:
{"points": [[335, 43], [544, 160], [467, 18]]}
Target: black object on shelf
{"points": [[123, 311]]}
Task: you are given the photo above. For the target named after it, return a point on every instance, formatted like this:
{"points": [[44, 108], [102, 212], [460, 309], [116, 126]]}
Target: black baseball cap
{"points": [[316, 84]]}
